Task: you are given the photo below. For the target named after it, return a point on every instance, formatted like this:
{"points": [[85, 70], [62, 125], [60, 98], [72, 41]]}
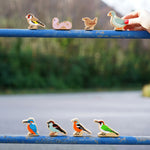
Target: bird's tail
{"points": [[63, 131], [115, 132], [41, 24], [36, 133], [88, 131], [95, 20]]}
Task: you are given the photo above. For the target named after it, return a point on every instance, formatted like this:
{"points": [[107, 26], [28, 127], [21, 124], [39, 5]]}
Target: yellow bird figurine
{"points": [[34, 22], [89, 24]]}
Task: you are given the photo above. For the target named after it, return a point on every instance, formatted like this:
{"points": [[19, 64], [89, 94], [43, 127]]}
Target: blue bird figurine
{"points": [[31, 127]]}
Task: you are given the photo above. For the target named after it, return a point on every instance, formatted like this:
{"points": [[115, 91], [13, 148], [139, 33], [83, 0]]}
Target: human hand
{"points": [[137, 20]]}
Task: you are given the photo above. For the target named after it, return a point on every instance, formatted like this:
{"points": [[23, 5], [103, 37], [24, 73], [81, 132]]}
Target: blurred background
{"points": [[69, 64], [48, 65]]}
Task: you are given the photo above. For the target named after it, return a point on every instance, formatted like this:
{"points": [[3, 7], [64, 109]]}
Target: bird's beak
{"points": [[109, 14], [24, 121], [47, 122], [83, 19], [72, 120], [96, 121]]}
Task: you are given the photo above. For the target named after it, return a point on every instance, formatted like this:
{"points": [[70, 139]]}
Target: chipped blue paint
{"points": [[122, 140], [74, 34]]}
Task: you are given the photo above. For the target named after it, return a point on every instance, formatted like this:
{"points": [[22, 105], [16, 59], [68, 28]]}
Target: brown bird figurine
{"points": [[34, 22], [89, 24]]}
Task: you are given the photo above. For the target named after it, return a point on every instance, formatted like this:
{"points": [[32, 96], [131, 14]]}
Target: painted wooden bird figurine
{"points": [[105, 131], [116, 22], [31, 127], [34, 22], [89, 24], [66, 25], [55, 128], [79, 128]]}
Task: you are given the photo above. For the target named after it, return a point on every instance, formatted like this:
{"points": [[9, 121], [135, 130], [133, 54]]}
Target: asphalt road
{"points": [[126, 112]]}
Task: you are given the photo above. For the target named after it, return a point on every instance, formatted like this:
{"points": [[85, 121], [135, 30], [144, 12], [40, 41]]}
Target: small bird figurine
{"points": [[34, 22], [89, 24], [79, 128], [31, 126], [66, 25], [55, 128], [105, 131], [116, 22]]}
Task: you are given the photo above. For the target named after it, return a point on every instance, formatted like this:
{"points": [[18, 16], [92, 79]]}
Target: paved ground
{"points": [[126, 112]]}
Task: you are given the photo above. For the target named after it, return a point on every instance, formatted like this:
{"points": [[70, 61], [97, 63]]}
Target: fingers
{"points": [[134, 27], [134, 14], [132, 18], [134, 21]]}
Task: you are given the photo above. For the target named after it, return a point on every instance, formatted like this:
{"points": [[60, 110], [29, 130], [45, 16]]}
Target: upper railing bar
{"points": [[50, 33]]}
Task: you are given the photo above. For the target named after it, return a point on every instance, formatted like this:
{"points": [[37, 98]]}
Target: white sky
{"points": [[126, 6]]}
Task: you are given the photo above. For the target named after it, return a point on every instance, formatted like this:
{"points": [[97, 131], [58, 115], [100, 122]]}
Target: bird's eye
{"points": [[29, 16]]}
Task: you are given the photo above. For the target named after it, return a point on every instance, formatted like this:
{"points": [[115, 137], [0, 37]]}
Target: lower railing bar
{"points": [[122, 140]]}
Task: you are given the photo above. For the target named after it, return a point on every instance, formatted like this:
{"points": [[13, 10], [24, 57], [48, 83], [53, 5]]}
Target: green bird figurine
{"points": [[117, 22], [105, 131]]}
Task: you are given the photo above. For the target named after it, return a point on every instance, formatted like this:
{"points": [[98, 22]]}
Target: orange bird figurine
{"points": [[79, 128], [89, 24]]}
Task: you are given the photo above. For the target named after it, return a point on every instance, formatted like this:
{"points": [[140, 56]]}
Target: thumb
{"points": [[132, 21]]}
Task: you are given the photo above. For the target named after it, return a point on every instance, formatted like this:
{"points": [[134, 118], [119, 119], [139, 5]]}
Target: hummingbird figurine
{"points": [[105, 131]]}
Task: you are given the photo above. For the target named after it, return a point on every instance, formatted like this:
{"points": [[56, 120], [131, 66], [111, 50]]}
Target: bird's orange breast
{"points": [[30, 130], [76, 128]]}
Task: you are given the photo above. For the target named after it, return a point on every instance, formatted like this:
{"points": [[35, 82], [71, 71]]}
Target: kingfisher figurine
{"points": [[66, 25], [34, 22], [31, 127], [89, 23], [116, 21], [55, 128], [79, 128], [105, 131]]}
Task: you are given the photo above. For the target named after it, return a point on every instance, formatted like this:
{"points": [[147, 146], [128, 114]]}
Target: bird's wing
{"points": [[119, 20], [106, 128], [33, 127], [59, 128], [36, 21], [80, 126]]}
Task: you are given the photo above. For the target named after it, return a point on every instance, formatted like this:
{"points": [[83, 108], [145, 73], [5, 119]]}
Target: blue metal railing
{"points": [[74, 34], [122, 140]]}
